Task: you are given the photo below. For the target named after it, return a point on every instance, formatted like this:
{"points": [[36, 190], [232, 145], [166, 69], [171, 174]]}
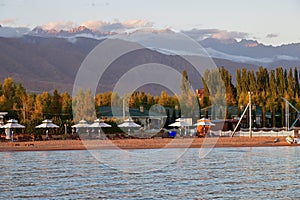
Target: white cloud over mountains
{"points": [[98, 25], [120, 26], [8, 21], [117, 25], [200, 34], [59, 25]]}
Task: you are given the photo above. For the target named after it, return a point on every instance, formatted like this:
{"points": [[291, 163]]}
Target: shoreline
{"points": [[155, 143]]}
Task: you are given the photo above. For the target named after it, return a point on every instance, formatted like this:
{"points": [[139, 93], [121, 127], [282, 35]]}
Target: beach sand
{"points": [[144, 143]]}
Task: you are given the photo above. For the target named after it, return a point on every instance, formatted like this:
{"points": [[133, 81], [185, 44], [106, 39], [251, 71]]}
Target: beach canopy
{"points": [[204, 122], [99, 123], [128, 123], [81, 124], [12, 123], [47, 123], [179, 124]]}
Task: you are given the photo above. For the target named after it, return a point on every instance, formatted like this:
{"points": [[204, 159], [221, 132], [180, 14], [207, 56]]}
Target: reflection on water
{"points": [[229, 173]]}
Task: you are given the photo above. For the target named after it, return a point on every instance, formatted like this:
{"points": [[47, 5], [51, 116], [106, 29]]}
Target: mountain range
{"points": [[43, 60]]}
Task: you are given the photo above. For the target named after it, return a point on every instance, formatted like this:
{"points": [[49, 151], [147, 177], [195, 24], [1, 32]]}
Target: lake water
{"points": [[225, 173]]}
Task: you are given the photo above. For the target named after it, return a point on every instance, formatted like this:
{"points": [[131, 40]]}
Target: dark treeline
{"points": [[268, 86]]}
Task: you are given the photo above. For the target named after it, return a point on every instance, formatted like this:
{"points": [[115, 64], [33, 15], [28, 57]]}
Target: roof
{"points": [[114, 111]]}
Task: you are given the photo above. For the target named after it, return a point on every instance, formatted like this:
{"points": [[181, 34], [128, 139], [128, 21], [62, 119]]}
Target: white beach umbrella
{"points": [[204, 123], [47, 124], [12, 124], [99, 123], [81, 124], [128, 123], [179, 124]]}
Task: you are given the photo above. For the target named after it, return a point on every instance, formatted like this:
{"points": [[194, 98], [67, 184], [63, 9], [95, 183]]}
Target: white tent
{"points": [[204, 123], [99, 123], [179, 124], [81, 124], [46, 124], [129, 123], [11, 124]]}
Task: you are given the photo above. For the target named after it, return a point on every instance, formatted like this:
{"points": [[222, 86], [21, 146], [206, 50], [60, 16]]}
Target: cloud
{"points": [[59, 25], [116, 26], [223, 35], [9, 21], [94, 24], [272, 35], [98, 25], [200, 34]]}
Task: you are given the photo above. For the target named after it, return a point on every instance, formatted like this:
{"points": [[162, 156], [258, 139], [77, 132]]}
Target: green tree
{"points": [[42, 106], [188, 100], [66, 105], [84, 106], [8, 90], [56, 104]]}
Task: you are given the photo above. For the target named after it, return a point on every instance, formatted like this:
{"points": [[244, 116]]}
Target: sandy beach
{"points": [[144, 143]]}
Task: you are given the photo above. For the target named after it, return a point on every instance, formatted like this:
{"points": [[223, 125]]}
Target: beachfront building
{"points": [[149, 119]]}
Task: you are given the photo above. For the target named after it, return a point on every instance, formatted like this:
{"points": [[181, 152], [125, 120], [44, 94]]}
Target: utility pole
{"points": [[287, 125], [250, 114], [124, 108]]}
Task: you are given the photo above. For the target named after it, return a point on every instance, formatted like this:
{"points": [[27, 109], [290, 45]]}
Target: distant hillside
{"points": [[43, 64], [251, 51]]}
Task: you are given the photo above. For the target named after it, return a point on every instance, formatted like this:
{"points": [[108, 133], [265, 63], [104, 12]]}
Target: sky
{"points": [[272, 22]]}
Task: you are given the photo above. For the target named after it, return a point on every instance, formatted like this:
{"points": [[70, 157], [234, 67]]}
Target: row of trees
{"points": [[268, 86]]}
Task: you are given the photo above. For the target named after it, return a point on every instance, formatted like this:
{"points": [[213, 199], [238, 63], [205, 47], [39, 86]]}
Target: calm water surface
{"points": [[226, 173]]}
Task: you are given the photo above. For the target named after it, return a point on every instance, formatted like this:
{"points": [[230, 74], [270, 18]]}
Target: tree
{"points": [[116, 100], [297, 87], [56, 104], [84, 106], [42, 106], [217, 92], [103, 99], [188, 101], [8, 90], [230, 90], [66, 105], [20, 99]]}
